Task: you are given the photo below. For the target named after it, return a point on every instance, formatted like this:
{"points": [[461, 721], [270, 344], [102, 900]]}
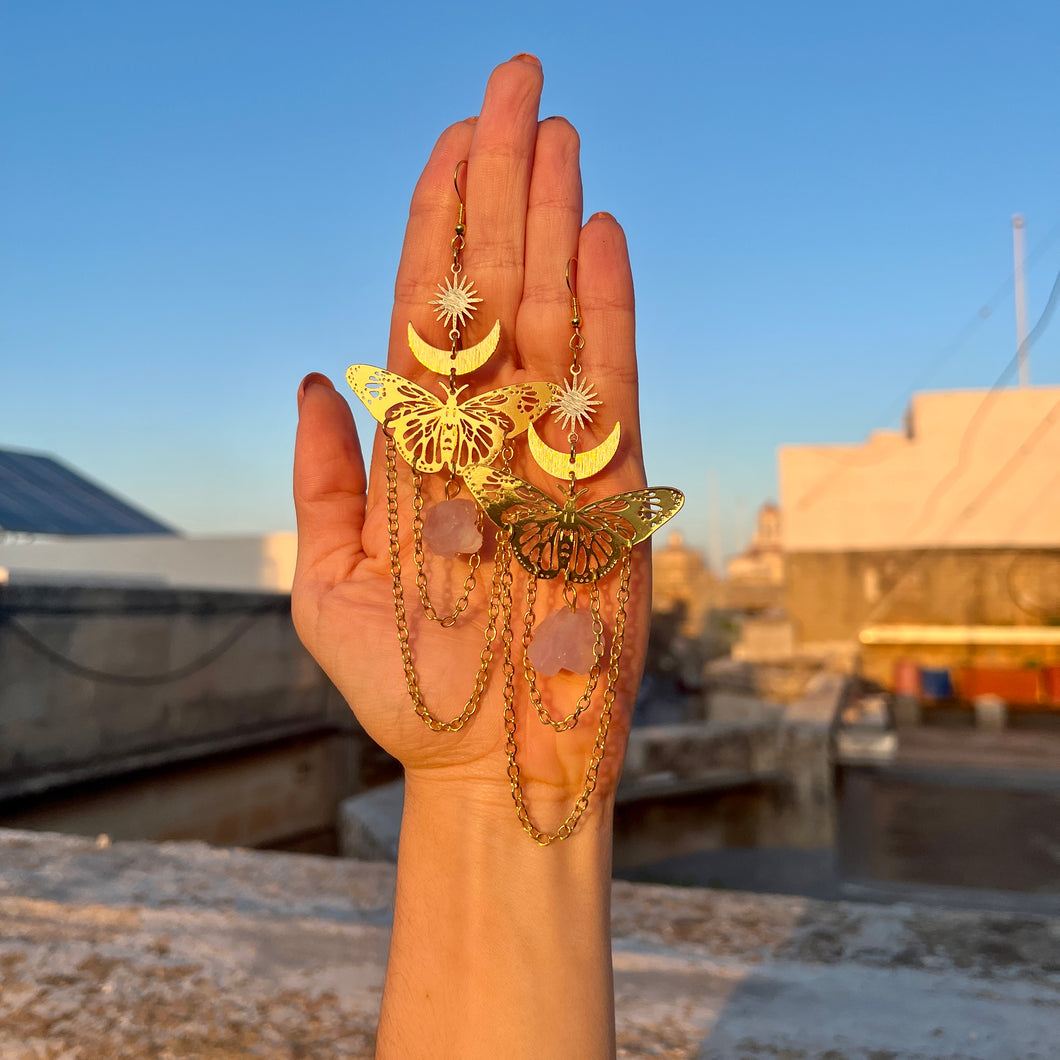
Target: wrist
{"points": [[494, 927]]}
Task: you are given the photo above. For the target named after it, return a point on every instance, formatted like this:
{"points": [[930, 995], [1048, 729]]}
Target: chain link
{"points": [[485, 656], [511, 748], [449, 620]]}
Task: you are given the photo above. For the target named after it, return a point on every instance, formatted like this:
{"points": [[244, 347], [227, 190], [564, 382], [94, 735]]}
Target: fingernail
{"points": [[313, 379], [473, 120], [525, 57], [603, 215]]}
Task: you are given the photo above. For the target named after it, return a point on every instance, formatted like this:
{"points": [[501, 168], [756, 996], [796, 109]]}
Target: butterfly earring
{"points": [[435, 435], [580, 545]]}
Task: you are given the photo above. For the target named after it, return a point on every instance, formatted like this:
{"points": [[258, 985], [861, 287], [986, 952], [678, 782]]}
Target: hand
{"points": [[524, 207], [499, 948]]}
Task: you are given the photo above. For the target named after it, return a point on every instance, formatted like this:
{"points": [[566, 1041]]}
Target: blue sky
{"points": [[203, 201]]}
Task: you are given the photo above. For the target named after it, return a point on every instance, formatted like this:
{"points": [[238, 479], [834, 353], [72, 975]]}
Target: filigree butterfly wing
{"points": [[414, 415], [604, 528], [534, 518], [638, 514], [584, 543], [431, 434], [485, 422]]}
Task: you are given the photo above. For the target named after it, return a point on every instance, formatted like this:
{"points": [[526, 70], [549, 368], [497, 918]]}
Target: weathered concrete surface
{"points": [[101, 681], [158, 713], [173, 952]]}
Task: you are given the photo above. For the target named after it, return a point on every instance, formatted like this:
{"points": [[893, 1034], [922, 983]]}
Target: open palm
{"points": [[524, 222]]}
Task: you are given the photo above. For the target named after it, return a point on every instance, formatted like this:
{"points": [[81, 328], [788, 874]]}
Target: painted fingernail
{"points": [[313, 379], [525, 57]]}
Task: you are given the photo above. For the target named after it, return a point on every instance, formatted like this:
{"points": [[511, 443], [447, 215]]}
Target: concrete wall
{"points": [[759, 781], [156, 713], [765, 638], [239, 564], [832, 596], [976, 469]]}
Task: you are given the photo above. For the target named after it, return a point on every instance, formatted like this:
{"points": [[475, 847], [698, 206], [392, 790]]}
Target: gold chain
{"points": [[504, 557], [446, 621], [496, 592], [531, 675]]}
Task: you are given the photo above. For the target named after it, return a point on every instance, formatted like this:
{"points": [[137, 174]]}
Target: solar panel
{"points": [[41, 495]]}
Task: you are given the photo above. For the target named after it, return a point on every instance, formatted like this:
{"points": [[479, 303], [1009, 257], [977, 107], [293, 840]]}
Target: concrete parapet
{"points": [[370, 823], [98, 681], [821, 700], [713, 785], [160, 713], [186, 951]]}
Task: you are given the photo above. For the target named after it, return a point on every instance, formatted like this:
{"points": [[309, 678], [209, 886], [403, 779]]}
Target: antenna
{"points": [[1018, 226]]}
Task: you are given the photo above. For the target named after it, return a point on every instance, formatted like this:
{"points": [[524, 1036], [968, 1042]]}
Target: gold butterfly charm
{"points": [[582, 544], [432, 434]]}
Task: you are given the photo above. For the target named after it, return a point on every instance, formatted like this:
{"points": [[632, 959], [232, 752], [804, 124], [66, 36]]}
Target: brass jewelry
{"points": [[580, 544], [435, 434]]}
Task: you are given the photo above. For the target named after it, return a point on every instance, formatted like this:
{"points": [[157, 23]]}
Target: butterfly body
{"points": [[433, 434], [580, 543]]}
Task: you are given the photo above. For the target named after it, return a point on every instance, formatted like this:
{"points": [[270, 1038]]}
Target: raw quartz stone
{"points": [[451, 528], [564, 641]]}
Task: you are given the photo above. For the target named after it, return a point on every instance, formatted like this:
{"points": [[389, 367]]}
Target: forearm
{"points": [[501, 948]]}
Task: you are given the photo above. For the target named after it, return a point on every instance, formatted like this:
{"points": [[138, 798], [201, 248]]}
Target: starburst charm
{"points": [[574, 404], [456, 303]]}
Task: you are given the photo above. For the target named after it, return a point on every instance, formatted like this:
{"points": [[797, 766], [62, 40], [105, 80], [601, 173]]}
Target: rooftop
{"points": [[185, 951], [41, 495]]}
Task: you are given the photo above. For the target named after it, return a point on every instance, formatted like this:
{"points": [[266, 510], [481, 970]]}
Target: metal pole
{"points": [[1021, 299]]}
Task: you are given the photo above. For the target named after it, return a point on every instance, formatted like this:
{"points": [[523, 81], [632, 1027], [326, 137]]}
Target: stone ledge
{"points": [[180, 951]]}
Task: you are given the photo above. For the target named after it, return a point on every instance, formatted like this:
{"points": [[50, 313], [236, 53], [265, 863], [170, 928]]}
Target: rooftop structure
{"points": [[41, 495], [939, 543], [972, 469]]}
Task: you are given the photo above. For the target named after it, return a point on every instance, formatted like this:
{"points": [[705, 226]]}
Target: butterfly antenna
{"points": [[451, 390]]}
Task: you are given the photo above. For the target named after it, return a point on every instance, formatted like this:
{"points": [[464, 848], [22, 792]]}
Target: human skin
{"points": [[500, 947]]}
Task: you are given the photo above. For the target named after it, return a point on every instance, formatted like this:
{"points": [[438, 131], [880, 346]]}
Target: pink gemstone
{"points": [[564, 641], [451, 528]]}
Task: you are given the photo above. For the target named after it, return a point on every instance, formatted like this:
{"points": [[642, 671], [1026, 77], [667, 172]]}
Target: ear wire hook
{"points": [[572, 277], [577, 342], [456, 184]]}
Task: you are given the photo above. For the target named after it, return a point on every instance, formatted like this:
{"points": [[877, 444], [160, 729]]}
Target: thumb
{"points": [[329, 492]]}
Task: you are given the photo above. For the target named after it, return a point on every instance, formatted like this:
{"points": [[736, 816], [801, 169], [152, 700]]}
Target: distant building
{"points": [[682, 580], [754, 579], [939, 543], [762, 562]]}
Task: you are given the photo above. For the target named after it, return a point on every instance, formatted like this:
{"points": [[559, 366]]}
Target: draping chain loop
{"points": [[511, 748], [449, 620], [485, 656]]}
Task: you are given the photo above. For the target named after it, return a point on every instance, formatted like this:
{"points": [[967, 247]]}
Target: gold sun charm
{"points": [[456, 303], [574, 404]]}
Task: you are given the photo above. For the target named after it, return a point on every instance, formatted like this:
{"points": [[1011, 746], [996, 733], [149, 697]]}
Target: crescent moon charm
{"points": [[584, 465], [462, 362]]}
